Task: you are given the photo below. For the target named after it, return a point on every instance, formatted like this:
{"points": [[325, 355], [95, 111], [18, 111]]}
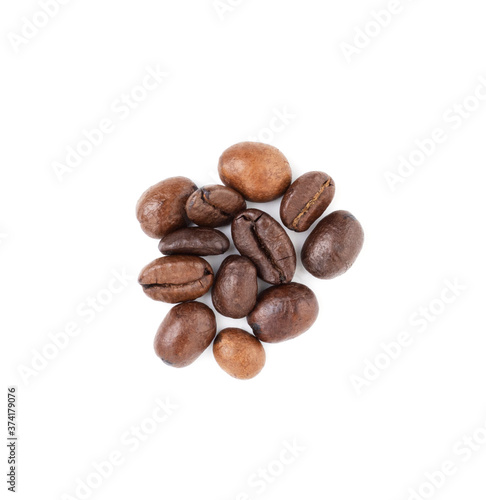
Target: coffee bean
{"points": [[214, 206], [186, 332], [235, 287], [306, 200], [238, 353], [264, 241], [333, 245], [194, 241], [176, 278], [283, 312], [258, 171], [161, 209]]}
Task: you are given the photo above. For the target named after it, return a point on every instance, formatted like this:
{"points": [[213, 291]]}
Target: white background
{"points": [[61, 240]]}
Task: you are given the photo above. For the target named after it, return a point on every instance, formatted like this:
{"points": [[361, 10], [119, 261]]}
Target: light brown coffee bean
{"points": [[306, 200], [176, 278], [235, 287], [239, 353], [162, 208], [260, 172], [186, 332], [333, 245]]}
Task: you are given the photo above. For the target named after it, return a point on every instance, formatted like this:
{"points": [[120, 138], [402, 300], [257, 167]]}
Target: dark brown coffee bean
{"points": [[214, 206], [161, 209], [194, 241], [186, 332], [235, 287], [306, 200], [258, 171], [238, 353], [176, 278], [333, 245], [264, 241], [283, 312]]}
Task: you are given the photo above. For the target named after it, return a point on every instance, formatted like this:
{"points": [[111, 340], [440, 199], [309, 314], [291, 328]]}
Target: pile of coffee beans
{"points": [[253, 172]]}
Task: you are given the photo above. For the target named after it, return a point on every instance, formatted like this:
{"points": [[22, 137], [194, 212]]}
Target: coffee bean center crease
{"points": [[147, 286], [268, 254], [311, 202], [205, 199]]}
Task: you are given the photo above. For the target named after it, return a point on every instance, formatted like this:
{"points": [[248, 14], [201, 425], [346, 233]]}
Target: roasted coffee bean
{"points": [[194, 241], [214, 206], [258, 171], [283, 312], [186, 332], [176, 278], [306, 200], [264, 241], [235, 287], [239, 353], [161, 209], [333, 245]]}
